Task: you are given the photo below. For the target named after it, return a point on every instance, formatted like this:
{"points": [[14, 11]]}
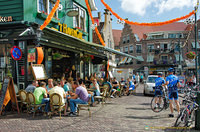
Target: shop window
{"points": [[150, 47], [171, 35], [139, 62], [124, 40], [51, 5], [45, 6], [138, 48], [128, 38], [79, 21], [126, 50], [121, 49], [131, 49]]}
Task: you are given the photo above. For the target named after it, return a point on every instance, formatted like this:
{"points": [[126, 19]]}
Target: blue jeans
{"points": [[92, 98], [47, 102], [73, 104]]}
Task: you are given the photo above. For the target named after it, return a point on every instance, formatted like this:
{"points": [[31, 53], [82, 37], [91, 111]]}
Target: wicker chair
{"points": [[32, 106], [23, 99], [103, 96], [81, 107], [56, 104]]}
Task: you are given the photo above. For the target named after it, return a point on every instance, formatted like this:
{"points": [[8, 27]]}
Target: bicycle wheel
{"points": [[182, 119], [191, 118], [157, 107]]}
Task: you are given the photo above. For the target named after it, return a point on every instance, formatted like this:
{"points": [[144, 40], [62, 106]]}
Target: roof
{"points": [[141, 30], [116, 36]]}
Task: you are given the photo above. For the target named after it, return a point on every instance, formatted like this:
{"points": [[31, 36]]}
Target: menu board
{"points": [[7, 93], [38, 71]]}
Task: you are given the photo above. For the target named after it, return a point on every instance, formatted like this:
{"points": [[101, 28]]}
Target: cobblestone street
{"points": [[128, 113]]}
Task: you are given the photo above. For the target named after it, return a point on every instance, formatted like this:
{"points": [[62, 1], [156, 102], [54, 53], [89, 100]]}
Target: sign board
{"points": [[6, 19], [16, 53], [7, 93], [38, 71], [31, 55]]}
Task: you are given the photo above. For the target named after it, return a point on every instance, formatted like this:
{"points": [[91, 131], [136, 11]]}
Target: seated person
{"points": [[115, 85], [31, 87], [108, 83], [64, 86], [95, 86], [130, 87], [59, 90], [50, 84], [81, 97], [123, 83], [41, 96]]}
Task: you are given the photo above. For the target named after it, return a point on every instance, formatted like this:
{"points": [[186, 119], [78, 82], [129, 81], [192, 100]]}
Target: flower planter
{"points": [[191, 55]]}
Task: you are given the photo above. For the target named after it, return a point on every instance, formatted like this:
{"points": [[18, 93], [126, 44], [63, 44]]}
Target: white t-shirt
{"points": [[58, 90]]}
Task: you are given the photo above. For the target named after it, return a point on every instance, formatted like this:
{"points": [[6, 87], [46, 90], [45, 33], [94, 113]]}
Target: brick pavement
{"points": [[128, 113]]}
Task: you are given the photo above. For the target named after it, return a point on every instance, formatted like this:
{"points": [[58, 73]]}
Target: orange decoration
{"points": [[96, 30], [148, 24], [107, 69], [40, 55], [50, 16]]}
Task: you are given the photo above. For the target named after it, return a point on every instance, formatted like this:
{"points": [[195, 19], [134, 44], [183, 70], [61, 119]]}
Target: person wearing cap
{"points": [[158, 89], [173, 83]]}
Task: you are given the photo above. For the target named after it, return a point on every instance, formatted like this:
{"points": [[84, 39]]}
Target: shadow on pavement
{"points": [[132, 108], [146, 104], [145, 117]]}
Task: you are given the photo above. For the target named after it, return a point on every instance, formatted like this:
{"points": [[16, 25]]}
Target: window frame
{"points": [[138, 51], [131, 51], [80, 9], [48, 6], [126, 47]]}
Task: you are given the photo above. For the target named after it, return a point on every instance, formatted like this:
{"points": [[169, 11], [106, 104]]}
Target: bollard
{"points": [[197, 114]]}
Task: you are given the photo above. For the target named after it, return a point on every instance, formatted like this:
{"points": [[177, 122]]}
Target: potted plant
{"points": [[190, 55], [86, 58]]}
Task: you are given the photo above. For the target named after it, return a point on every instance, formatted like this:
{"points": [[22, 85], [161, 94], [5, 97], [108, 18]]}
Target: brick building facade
{"points": [[157, 46]]}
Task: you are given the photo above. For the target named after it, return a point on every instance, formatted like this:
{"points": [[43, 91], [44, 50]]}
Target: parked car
{"points": [[149, 84]]}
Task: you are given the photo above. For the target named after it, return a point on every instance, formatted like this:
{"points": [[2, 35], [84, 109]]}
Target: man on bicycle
{"points": [[173, 83], [158, 89]]}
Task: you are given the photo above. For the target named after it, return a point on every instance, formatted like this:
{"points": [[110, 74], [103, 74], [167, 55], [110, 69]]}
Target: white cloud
{"points": [[168, 5], [140, 6]]}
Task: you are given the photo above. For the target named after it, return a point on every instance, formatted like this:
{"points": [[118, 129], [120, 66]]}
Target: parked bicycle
{"points": [[162, 103], [187, 114]]}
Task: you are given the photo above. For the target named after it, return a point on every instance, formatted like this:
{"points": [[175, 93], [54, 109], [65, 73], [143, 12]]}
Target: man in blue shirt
{"points": [[173, 83], [158, 89]]}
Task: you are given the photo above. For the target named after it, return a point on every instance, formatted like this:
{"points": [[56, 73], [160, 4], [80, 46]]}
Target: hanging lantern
{"points": [[40, 55]]}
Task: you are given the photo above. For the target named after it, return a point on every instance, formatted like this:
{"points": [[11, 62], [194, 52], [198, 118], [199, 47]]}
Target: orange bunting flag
{"points": [[96, 30], [50, 16], [147, 24]]}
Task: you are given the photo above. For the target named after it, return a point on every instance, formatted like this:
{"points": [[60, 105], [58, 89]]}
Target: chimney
{"points": [[106, 13], [99, 16]]}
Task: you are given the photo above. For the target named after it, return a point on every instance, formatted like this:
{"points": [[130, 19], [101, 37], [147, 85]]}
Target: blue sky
{"points": [[146, 10]]}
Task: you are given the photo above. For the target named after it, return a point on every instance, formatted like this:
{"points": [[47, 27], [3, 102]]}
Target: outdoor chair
{"points": [[32, 106], [56, 104], [102, 97], [23, 99], [81, 107]]}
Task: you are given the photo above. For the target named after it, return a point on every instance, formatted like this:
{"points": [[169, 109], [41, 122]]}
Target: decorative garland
{"points": [[50, 16], [149, 24], [96, 29]]}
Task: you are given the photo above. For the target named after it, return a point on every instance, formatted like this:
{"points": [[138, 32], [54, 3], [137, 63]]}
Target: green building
{"points": [[66, 41]]}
